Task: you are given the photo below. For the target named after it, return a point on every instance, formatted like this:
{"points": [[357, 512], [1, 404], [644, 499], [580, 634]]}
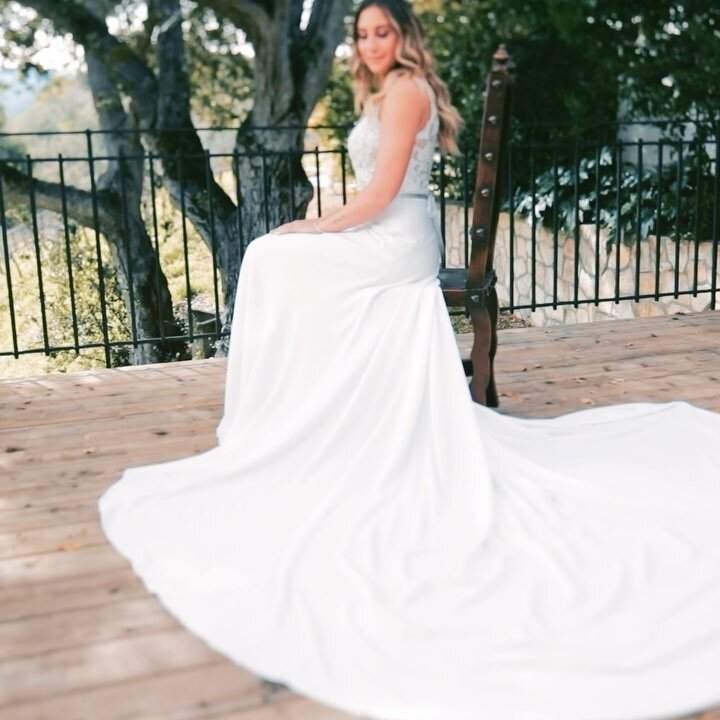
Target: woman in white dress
{"points": [[369, 536]]}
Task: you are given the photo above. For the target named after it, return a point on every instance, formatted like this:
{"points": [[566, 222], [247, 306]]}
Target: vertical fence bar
{"points": [[293, 214], [597, 225], [98, 248], [715, 221], [186, 252], [618, 217], [213, 239], [698, 194], [239, 198], [68, 253], [556, 227], [442, 209], [658, 219], [343, 173], [156, 237], [466, 211], [533, 230], [317, 180], [638, 219], [678, 211], [266, 209], [511, 219], [38, 258], [8, 274], [576, 224], [128, 255], [291, 194]]}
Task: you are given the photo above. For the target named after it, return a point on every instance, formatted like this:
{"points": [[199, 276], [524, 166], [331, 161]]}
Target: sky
{"points": [[15, 96]]}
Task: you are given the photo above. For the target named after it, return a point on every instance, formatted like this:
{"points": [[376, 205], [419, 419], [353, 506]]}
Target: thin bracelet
{"points": [[316, 225]]}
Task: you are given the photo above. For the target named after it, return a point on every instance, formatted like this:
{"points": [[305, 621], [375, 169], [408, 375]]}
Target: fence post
{"points": [[98, 249], [68, 253], [716, 220], [38, 261], [8, 275]]}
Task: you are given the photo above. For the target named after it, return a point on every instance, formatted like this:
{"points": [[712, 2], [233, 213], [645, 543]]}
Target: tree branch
{"points": [[120, 139], [173, 99], [323, 35], [48, 196], [133, 75], [295, 16], [324, 12], [248, 15]]}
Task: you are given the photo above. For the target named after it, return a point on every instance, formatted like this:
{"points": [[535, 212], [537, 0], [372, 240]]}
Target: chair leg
{"points": [[480, 354], [491, 396]]}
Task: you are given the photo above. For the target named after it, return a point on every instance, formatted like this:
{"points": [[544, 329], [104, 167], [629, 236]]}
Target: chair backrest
{"points": [[491, 167], [459, 286], [474, 288]]}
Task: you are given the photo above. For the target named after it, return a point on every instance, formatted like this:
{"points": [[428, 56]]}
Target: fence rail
{"points": [[586, 225]]}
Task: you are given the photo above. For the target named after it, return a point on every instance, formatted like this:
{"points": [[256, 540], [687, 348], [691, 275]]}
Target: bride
{"points": [[366, 534]]}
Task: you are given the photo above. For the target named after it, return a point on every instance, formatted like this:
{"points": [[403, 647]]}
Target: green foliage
{"points": [[220, 75], [59, 307], [337, 104], [579, 62], [615, 194]]}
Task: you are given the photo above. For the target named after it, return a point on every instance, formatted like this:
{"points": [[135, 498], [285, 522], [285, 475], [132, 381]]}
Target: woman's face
{"points": [[376, 40]]}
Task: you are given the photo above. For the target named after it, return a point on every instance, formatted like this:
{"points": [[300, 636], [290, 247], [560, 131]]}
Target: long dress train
{"points": [[367, 535]]}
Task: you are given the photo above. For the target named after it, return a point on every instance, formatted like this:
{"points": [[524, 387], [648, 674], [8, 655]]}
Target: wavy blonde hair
{"points": [[412, 59]]}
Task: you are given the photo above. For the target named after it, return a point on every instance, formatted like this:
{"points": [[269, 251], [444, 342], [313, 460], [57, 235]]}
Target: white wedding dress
{"points": [[367, 535]]}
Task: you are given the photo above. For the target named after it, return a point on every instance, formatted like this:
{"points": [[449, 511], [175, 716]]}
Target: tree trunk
{"points": [[141, 279], [272, 182], [188, 176]]}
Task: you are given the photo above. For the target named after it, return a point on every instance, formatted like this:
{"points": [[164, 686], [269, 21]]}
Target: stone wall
{"points": [[566, 314]]}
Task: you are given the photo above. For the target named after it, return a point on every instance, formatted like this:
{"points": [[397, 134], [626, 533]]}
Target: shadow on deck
{"points": [[79, 635]]}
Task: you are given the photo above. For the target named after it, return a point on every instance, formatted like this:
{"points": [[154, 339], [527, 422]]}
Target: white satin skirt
{"points": [[367, 535]]}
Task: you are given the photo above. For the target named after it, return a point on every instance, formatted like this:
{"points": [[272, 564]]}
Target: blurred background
{"points": [[145, 144]]}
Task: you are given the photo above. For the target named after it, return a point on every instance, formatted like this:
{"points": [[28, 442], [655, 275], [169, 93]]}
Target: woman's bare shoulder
{"points": [[406, 92], [407, 87]]}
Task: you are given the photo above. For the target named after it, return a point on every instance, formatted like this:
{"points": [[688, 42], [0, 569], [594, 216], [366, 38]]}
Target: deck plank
{"points": [[80, 637], [46, 597], [77, 627], [210, 690], [33, 677]]}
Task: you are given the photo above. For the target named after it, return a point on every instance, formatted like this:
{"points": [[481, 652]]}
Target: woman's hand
{"points": [[297, 226]]}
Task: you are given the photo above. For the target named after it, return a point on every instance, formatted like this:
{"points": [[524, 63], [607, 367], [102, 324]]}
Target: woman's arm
{"points": [[401, 116]]}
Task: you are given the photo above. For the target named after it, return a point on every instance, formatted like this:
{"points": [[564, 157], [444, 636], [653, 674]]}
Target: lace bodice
{"points": [[363, 144]]}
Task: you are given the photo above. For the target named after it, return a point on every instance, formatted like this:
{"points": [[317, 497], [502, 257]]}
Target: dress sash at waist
{"points": [[432, 212]]}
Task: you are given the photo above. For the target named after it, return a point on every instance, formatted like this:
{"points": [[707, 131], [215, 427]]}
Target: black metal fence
{"points": [[650, 204], [586, 224]]}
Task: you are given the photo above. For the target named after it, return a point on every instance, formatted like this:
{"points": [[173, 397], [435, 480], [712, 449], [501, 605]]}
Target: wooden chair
{"points": [[474, 287]]}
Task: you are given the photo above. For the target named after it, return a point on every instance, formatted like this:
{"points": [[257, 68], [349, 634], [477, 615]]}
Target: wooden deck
{"points": [[81, 638]]}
